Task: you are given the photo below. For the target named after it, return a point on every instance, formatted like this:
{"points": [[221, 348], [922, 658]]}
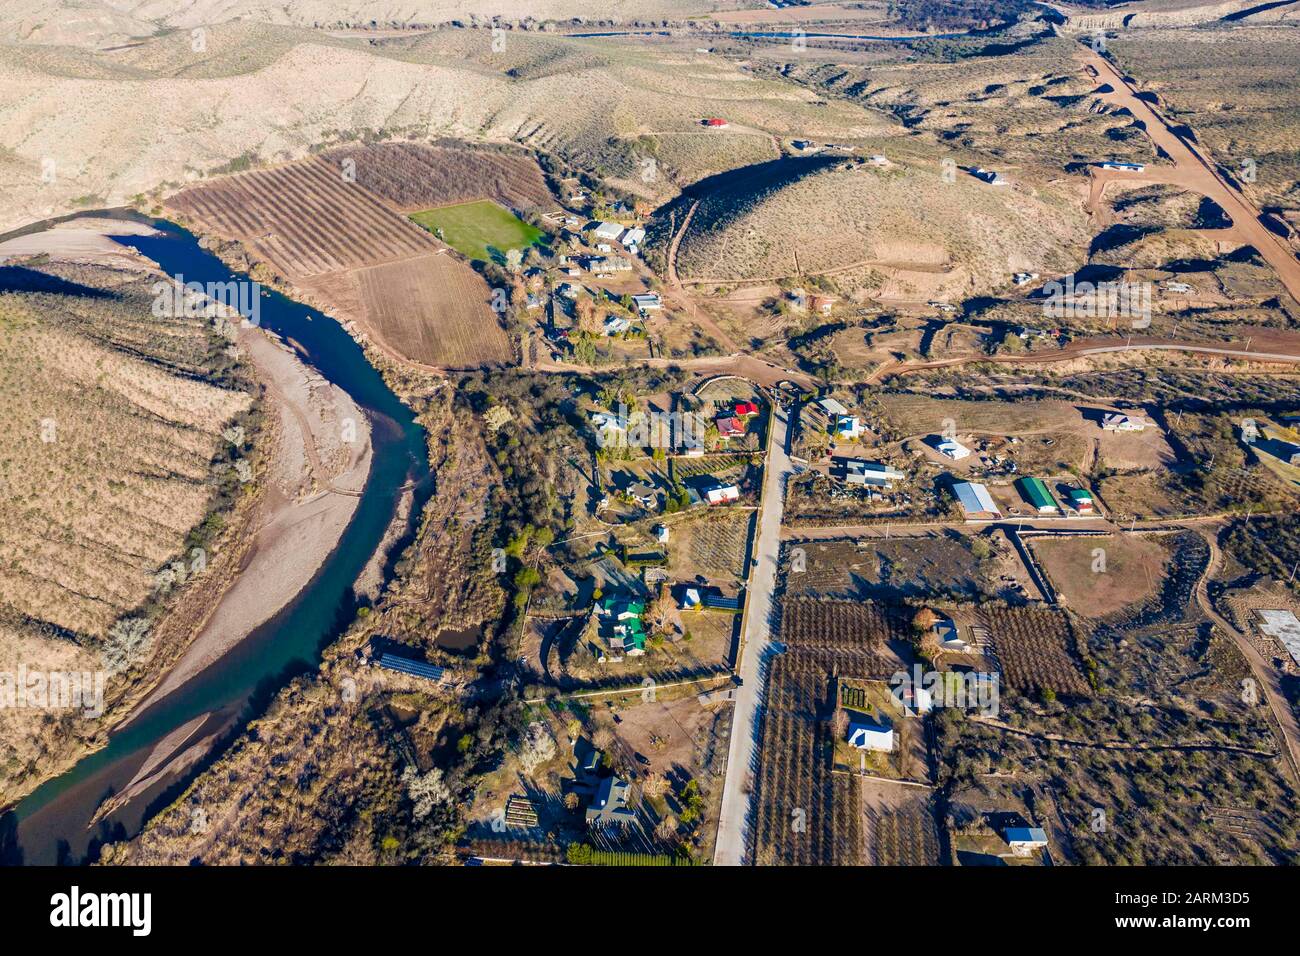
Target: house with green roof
{"points": [[621, 624], [1082, 501], [1035, 492]]}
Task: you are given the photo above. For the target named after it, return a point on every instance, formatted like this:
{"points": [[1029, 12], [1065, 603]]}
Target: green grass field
{"points": [[481, 230]]}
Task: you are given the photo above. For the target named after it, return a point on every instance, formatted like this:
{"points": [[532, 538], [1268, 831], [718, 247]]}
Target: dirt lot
{"points": [[673, 734], [1129, 570], [935, 564], [434, 310]]}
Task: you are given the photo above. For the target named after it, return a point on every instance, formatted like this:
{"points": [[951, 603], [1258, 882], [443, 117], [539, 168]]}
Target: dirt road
{"points": [[745, 366], [1193, 171], [1093, 346], [1267, 677]]}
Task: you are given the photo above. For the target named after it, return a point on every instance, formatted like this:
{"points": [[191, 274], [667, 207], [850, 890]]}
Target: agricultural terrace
{"points": [[481, 230], [348, 251]]}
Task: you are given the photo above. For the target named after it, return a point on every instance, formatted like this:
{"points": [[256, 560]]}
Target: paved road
{"points": [[754, 645]]}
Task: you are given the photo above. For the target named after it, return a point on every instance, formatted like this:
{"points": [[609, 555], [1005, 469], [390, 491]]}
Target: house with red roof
{"points": [[729, 427]]}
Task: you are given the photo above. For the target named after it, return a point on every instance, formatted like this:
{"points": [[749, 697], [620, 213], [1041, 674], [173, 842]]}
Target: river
{"points": [[52, 825]]}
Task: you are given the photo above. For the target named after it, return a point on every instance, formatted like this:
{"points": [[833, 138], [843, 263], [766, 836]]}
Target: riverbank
{"points": [[316, 448], [314, 484]]}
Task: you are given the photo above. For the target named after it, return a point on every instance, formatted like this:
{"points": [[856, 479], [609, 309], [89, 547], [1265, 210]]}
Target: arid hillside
{"points": [[822, 217], [103, 23], [114, 464], [74, 140], [1032, 108], [1236, 86]]}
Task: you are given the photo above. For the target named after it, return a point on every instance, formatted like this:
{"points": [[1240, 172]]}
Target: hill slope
{"points": [[814, 216]]}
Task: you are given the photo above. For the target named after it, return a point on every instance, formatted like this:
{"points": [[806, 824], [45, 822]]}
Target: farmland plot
{"points": [[1036, 649], [806, 815], [414, 176], [359, 258], [844, 626], [434, 310], [304, 218], [804, 812], [900, 828]]}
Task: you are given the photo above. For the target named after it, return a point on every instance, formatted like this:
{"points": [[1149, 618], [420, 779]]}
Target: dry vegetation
{"points": [[831, 216], [590, 102], [1165, 752], [342, 792], [1235, 85], [114, 465]]}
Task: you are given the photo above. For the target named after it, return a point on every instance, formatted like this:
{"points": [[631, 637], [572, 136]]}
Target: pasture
{"points": [[481, 230]]}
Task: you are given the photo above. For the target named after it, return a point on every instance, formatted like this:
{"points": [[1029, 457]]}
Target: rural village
{"points": [[752, 533]]}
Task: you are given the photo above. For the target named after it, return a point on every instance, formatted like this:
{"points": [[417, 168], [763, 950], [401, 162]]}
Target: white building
{"points": [[848, 427], [859, 472], [647, 301], [868, 733], [608, 230], [722, 494], [975, 499], [661, 533], [989, 176], [953, 449], [1122, 423], [634, 236], [1283, 626], [832, 407], [1025, 840], [616, 325]]}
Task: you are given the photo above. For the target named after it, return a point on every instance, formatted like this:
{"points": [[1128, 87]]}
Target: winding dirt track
{"points": [[678, 294], [1266, 676]]}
